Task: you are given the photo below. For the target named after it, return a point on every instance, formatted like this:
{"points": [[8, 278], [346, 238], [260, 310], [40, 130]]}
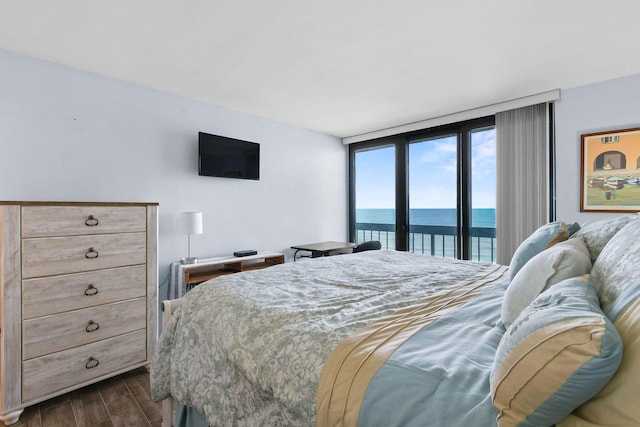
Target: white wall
{"points": [[613, 104], [67, 135]]}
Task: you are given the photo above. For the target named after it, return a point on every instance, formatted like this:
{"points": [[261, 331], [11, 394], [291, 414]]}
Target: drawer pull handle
{"points": [[91, 254], [92, 326], [92, 363], [91, 221], [90, 291]]}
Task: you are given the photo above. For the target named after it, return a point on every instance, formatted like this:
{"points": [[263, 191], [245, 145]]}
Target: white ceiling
{"points": [[342, 67]]}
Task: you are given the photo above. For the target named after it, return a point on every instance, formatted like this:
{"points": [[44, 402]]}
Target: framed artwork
{"points": [[610, 171]]}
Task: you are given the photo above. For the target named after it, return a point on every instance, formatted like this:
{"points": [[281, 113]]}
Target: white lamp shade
{"points": [[190, 223]]}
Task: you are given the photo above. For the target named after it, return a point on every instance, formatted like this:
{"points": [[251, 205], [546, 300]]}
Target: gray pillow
{"points": [[596, 234], [617, 269]]}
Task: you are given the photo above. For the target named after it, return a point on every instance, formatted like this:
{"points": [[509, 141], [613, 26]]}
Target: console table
{"points": [[186, 276]]}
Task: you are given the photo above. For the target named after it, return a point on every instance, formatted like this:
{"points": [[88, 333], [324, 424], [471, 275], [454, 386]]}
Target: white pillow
{"points": [[567, 259]]}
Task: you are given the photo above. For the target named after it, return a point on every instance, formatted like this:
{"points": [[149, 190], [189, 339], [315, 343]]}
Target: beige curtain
{"points": [[522, 156]]}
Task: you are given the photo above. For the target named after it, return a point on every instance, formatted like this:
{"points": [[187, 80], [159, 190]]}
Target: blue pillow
{"points": [[541, 239], [555, 356]]}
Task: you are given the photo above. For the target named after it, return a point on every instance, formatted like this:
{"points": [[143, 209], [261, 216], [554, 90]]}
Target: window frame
{"points": [[401, 143]]}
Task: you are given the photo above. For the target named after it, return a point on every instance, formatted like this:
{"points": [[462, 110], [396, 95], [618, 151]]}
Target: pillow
{"points": [[541, 239], [564, 260], [596, 234], [617, 279], [558, 354], [618, 267], [616, 405]]}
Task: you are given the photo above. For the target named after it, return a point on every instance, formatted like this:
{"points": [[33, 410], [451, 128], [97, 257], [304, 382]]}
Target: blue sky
{"points": [[432, 174]]}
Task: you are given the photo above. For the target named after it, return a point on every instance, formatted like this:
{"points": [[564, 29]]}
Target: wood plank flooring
{"points": [[121, 401]]}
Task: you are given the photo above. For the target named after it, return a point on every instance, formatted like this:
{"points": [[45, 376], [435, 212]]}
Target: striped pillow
{"points": [[557, 354], [617, 278]]}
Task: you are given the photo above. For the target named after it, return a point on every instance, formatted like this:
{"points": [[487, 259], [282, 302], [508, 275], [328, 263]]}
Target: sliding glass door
{"points": [[375, 195], [483, 194]]}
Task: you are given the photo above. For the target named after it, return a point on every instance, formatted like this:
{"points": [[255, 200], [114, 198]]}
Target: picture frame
{"points": [[610, 171]]}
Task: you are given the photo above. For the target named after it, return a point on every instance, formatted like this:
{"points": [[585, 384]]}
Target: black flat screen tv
{"points": [[228, 157]]}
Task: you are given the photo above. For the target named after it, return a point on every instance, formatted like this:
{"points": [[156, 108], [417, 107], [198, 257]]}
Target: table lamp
{"points": [[190, 223]]}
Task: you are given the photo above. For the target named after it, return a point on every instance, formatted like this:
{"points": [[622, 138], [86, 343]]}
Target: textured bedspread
{"points": [[248, 349], [427, 365]]}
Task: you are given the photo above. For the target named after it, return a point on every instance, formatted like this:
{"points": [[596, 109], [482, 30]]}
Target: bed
{"points": [[385, 338]]}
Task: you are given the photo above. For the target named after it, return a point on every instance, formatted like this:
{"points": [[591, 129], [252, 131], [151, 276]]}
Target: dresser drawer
{"points": [[61, 255], [44, 335], [50, 221], [58, 294], [46, 375]]}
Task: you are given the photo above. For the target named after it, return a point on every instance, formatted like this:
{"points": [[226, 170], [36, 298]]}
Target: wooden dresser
{"points": [[78, 296]]}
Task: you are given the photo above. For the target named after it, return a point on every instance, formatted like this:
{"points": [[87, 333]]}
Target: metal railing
{"points": [[437, 240]]}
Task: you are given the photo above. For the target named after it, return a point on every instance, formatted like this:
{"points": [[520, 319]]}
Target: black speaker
{"points": [[245, 253]]}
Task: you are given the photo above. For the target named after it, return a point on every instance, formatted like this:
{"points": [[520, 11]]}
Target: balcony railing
{"points": [[437, 240]]}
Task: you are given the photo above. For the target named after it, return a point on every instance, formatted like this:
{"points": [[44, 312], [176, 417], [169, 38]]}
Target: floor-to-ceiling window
{"points": [[430, 191]]}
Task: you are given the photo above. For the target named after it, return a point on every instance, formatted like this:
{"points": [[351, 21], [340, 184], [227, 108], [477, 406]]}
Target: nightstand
{"points": [[186, 276]]}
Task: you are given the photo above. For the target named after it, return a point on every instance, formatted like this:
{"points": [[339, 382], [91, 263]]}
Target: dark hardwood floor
{"points": [[121, 401]]}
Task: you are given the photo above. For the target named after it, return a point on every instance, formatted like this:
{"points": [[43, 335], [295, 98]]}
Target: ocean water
{"points": [[479, 217]]}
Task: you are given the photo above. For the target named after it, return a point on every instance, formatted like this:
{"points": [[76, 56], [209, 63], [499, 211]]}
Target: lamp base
{"points": [[189, 261]]}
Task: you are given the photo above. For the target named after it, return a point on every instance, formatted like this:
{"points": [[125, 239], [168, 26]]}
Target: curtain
{"points": [[522, 156]]}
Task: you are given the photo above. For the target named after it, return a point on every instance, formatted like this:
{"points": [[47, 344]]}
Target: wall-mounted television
{"points": [[228, 157]]}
